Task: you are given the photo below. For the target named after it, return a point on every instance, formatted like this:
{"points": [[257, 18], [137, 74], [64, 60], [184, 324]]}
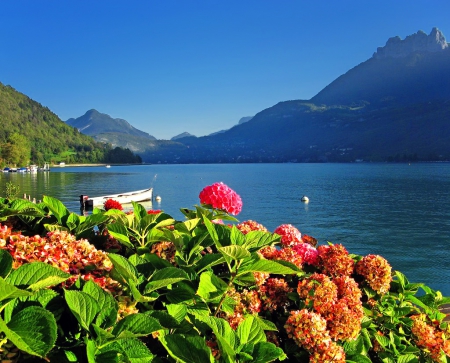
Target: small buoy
{"points": [[158, 198], [305, 199]]}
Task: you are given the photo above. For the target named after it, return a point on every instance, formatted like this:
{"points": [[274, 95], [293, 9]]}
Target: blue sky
{"points": [[171, 66]]}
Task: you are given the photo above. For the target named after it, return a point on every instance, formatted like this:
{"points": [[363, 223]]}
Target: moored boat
{"points": [[123, 198]]}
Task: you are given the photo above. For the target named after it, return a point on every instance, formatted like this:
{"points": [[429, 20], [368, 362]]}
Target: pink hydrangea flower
{"points": [[289, 234], [220, 196], [309, 254]]}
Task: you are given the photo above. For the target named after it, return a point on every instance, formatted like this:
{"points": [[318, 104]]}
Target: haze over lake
{"points": [[399, 211]]}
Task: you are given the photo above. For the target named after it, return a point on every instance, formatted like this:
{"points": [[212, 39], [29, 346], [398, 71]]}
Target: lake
{"points": [[399, 211]]}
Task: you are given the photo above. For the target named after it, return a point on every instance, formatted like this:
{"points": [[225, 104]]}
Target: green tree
{"points": [[17, 150]]}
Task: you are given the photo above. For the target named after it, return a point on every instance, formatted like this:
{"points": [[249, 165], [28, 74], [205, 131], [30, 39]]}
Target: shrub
{"points": [[200, 291]]}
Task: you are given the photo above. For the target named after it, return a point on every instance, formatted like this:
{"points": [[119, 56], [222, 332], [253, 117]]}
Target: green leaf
{"points": [[209, 260], [187, 349], [164, 318], [234, 252], [83, 306], [89, 223], [47, 282], [210, 286], [177, 311], [250, 331], [25, 208], [32, 330], [6, 262], [259, 239], [8, 291], [123, 267], [73, 220], [57, 208], [358, 358], [135, 351], [212, 231], [237, 237], [264, 352], [267, 266], [407, 358], [33, 273], [164, 277], [106, 302], [137, 324], [120, 233]]}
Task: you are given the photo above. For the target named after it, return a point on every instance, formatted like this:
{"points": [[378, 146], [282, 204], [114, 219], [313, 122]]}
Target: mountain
{"points": [[94, 123], [393, 107], [182, 135], [31, 133]]}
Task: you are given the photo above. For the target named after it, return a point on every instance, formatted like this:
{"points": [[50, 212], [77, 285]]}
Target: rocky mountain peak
{"points": [[419, 42]]}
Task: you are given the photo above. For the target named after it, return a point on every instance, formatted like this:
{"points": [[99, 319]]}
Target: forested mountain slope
{"points": [[31, 133]]}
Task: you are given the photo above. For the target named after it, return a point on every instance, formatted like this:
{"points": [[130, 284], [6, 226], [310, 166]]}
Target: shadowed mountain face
{"points": [[394, 106]]}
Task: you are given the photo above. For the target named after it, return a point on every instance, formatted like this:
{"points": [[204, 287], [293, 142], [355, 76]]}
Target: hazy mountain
{"points": [[394, 106], [115, 131], [182, 135]]}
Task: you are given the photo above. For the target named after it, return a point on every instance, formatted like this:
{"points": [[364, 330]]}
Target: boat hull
{"points": [[123, 198]]}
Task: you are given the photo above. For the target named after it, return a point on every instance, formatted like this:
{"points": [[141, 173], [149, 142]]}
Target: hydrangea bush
{"points": [[140, 286]]}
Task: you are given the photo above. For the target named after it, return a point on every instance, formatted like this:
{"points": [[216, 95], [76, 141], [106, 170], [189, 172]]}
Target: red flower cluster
{"points": [[248, 226], [377, 272], [273, 294], [154, 211], [220, 196], [112, 204], [309, 330], [335, 260], [289, 234], [433, 340]]}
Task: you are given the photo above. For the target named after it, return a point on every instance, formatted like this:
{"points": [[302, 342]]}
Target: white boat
{"points": [[123, 198], [108, 166]]}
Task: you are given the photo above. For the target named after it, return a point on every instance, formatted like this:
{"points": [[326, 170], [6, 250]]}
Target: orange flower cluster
{"points": [[309, 330], [165, 250], [432, 340], [377, 272], [273, 294], [290, 255], [318, 291], [335, 260], [59, 249], [338, 301], [247, 302], [289, 234], [248, 226]]}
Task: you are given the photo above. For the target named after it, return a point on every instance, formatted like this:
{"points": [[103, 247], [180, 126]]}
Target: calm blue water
{"points": [[399, 211]]}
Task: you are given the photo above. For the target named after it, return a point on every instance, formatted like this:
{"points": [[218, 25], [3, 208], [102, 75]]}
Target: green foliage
{"points": [[173, 304], [11, 190]]}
